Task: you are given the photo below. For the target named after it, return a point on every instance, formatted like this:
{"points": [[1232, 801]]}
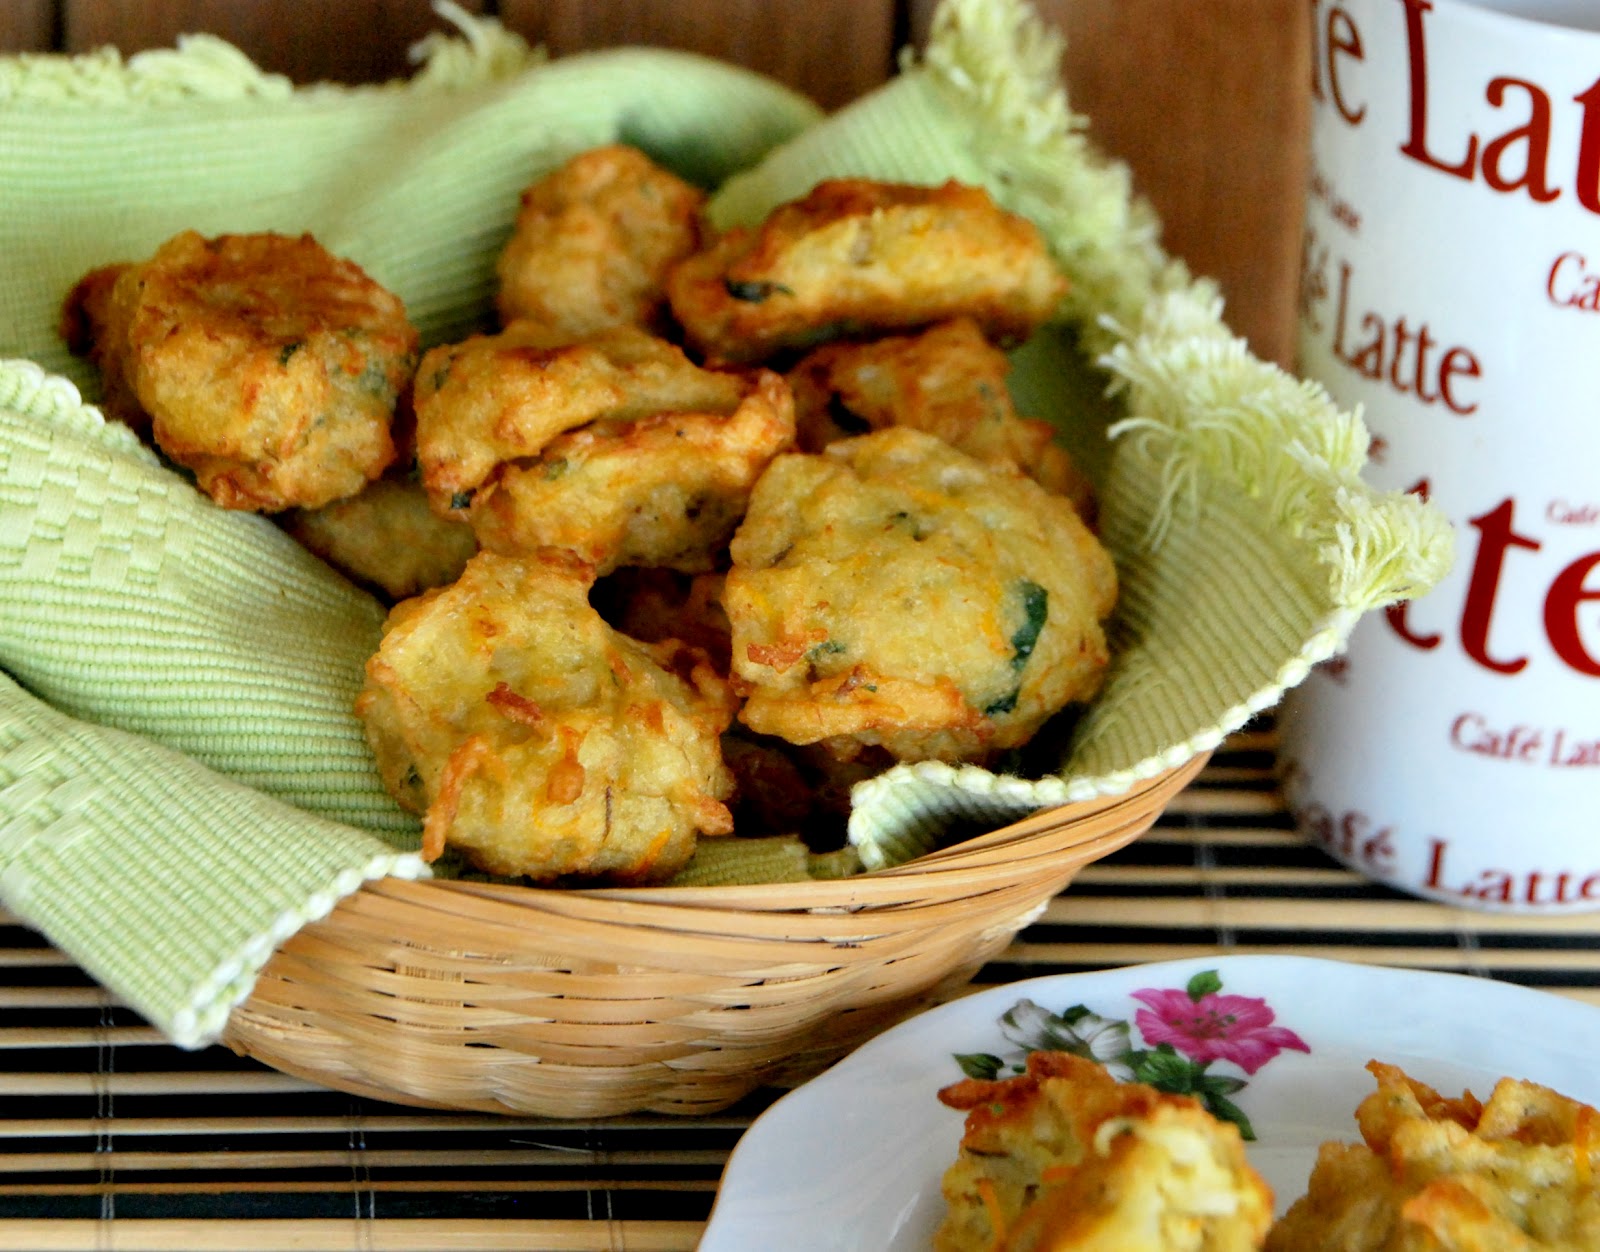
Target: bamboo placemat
{"points": [[110, 1139]]}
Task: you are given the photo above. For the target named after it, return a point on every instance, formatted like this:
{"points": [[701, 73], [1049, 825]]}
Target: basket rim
{"points": [[1056, 830], [379, 997]]}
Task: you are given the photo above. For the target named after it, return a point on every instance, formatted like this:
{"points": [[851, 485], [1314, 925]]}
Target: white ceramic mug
{"points": [[1451, 287]]}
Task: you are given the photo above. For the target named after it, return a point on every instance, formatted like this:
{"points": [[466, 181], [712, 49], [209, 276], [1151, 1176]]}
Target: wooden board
{"points": [[832, 50], [335, 40], [1208, 104], [27, 25]]}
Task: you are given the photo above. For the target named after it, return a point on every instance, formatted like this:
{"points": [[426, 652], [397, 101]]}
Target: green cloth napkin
{"points": [[182, 781]]}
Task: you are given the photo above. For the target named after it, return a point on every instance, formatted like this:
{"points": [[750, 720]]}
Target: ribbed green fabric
{"points": [[131, 600], [166, 881], [419, 186], [207, 797]]}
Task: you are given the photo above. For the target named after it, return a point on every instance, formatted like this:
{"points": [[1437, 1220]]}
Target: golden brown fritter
{"points": [[856, 256], [536, 739], [268, 366], [1514, 1174], [501, 398], [594, 240], [386, 537], [771, 796], [893, 591], [656, 604], [94, 324], [665, 489], [1063, 1158], [947, 380]]}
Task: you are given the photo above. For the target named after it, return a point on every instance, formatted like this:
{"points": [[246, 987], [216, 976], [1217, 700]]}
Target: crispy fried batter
{"points": [[665, 489], [386, 537], [770, 794], [857, 255], [893, 591], [538, 740], [947, 380], [1065, 1159], [501, 398], [268, 366], [594, 240], [1453, 1175], [656, 604], [94, 324]]}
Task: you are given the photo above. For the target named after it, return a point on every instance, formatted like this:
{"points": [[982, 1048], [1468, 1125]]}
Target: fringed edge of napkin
{"points": [[204, 67], [999, 65], [1199, 405], [1158, 331], [1203, 407]]}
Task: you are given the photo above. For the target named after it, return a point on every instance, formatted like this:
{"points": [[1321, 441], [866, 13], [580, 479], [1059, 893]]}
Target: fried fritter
{"points": [[855, 256], [1064, 1158], [594, 240], [667, 489], [501, 398], [893, 591], [947, 380], [774, 792], [268, 366], [1452, 1175], [95, 325], [656, 604], [770, 794], [536, 739], [386, 536]]}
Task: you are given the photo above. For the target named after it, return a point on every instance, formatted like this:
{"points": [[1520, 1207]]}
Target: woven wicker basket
{"points": [[675, 1000]]}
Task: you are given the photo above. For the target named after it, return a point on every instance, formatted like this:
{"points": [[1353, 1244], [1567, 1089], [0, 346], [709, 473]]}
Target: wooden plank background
{"points": [[1206, 102]]}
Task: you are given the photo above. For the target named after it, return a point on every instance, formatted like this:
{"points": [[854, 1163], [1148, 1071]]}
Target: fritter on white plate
{"points": [[1433, 1174], [947, 380], [536, 739], [857, 256], [893, 592], [594, 240], [1064, 1158], [266, 365]]}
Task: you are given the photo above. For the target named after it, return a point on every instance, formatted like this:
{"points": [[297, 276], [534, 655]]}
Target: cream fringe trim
{"points": [[1001, 65], [1197, 400], [203, 67], [1205, 410]]}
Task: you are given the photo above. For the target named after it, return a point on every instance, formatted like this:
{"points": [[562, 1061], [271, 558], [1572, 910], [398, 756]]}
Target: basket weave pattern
{"points": [[677, 1000]]}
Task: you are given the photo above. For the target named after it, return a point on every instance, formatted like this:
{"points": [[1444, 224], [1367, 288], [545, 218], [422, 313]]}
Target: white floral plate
{"points": [[852, 1160]]}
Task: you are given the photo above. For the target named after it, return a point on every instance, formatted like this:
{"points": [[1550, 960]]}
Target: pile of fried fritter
{"points": [[1064, 1158], [1515, 1172], [707, 528]]}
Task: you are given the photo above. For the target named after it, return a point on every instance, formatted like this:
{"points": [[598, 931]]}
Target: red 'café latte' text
{"points": [[1516, 161]]}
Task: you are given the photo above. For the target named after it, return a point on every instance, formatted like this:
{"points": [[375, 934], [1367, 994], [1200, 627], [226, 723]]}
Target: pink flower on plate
{"points": [[1214, 1027]]}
